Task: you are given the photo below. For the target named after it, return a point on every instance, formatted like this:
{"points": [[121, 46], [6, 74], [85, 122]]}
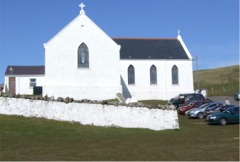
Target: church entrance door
{"points": [[12, 85]]}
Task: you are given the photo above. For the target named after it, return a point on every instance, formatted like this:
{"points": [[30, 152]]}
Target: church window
{"points": [[83, 56], [174, 74], [131, 75], [153, 75]]}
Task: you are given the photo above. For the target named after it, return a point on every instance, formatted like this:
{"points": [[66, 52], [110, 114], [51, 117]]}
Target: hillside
{"points": [[218, 82]]}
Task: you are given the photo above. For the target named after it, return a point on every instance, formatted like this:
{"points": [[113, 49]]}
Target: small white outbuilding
{"points": [[22, 79]]}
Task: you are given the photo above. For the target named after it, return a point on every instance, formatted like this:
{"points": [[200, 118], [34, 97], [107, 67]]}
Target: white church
{"points": [[83, 62]]}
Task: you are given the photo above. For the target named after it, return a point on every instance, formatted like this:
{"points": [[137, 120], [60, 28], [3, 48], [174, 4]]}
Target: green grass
{"points": [[40, 139], [153, 103], [223, 81]]}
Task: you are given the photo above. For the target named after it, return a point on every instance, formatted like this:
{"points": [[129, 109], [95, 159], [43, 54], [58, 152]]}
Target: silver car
{"points": [[199, 112]]}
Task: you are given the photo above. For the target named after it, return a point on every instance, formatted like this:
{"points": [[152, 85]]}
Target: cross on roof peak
{"points": [[82, 6], [179, 31]]}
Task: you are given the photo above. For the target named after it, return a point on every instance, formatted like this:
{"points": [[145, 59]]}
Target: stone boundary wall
{"points": [[92, 114]]}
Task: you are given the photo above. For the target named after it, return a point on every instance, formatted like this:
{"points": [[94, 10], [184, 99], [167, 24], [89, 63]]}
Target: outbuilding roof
{"points": [[25, 70], [142, 48]]}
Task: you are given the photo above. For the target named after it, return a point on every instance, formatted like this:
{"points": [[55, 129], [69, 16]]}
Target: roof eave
{"points": [[184, 46]]}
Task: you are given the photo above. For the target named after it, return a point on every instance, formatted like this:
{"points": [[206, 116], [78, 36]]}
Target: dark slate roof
{"points": [[25, 70], [137, 48]]}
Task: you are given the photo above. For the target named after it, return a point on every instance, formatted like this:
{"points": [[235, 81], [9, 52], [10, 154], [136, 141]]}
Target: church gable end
{"points": [[82, 27], [74, 62]]}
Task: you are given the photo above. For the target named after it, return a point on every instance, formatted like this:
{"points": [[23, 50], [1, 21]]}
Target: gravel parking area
{"points": [[222, 99]]}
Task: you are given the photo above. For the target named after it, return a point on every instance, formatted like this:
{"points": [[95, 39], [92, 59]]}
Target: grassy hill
{"points": [[218, 82]]}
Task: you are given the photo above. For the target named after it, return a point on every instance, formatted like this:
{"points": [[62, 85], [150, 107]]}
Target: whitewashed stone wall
{"points": [[92, 114]]}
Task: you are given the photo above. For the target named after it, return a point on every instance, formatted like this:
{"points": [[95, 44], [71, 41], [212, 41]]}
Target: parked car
{"points": [[224, 107], [215, 109], [199, 112], [194, 109], [192, 105], [230, 115], [179, 99], [194, 97], [236, 96], [206, 102]]}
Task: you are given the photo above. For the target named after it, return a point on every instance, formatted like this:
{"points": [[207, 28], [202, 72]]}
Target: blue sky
{"points": [[209, 28]]}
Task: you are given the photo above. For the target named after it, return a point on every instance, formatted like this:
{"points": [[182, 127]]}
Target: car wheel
{"points": [[200, 115], [222, 121]]}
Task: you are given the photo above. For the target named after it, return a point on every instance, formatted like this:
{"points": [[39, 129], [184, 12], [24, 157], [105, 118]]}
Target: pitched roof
{"points": [[135, 48], [25, 70]]}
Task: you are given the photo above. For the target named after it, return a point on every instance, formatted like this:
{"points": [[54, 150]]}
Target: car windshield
{"points": [[229, 109], [204, 105], [214, 106], [211, 106], [188, 98], [227, 106]]}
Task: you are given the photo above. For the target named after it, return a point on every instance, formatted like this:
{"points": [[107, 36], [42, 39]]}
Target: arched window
{"points": [[131, 75], [174, 75], [153, 75], [83, 56]]}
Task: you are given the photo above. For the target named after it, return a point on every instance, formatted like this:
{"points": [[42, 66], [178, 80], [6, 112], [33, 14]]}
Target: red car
{"points": [[192, 105]]}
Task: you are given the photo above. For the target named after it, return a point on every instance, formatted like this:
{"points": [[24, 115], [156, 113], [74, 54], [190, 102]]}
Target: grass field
{"points": [[40, 139], [223, 81]]}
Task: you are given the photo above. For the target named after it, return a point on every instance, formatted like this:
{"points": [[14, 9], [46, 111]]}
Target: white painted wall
{"points": [[164, 89], [185, 78], [23, 83], [63, 77], [92, 114]]}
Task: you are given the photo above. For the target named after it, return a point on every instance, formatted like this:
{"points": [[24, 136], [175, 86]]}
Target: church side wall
{"points": [[164, 89], [92, 114], [185, 75]]}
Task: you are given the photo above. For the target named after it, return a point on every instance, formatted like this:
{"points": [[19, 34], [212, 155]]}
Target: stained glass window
{"points": [[153, 75], [174, 75], [131, 75], [83, 56]]}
